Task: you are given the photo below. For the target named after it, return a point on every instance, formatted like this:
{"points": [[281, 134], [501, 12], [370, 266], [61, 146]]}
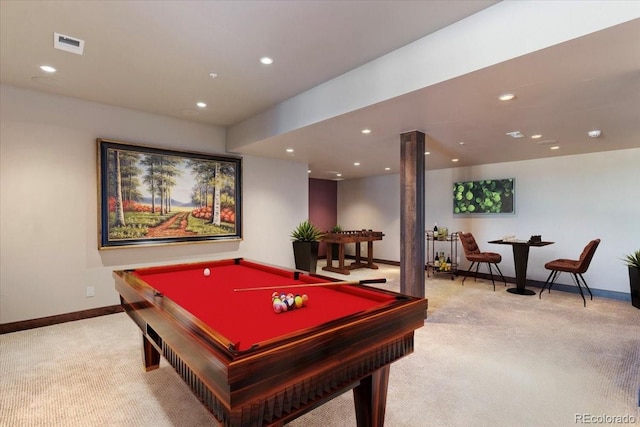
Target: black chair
{"points": [[576, 267], [472, 253]]}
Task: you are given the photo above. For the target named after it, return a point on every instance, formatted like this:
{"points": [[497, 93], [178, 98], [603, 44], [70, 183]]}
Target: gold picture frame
{"points": [[152, 196]]}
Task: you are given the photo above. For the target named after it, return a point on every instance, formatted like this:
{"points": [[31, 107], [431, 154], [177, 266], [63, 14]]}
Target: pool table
{"points": [[251, 366]]}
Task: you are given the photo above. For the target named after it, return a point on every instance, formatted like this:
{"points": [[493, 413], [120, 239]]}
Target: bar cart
{"points": [[437, 264]]}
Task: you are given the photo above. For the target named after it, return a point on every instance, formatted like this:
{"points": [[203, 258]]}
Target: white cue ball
{"points": [[207, 272]]}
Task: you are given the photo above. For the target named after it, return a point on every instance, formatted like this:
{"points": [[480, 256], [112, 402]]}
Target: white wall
{"points": [[569, 200], [49, 202], [372, 204]]}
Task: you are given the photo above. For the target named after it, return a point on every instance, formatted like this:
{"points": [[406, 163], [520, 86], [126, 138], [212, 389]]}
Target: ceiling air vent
{"points": [[68, 44]]}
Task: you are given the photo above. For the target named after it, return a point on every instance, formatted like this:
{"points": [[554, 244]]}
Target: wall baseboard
{"points": [[6, 328], [602, 293]]}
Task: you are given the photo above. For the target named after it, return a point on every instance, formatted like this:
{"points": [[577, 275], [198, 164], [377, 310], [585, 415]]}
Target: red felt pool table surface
{"points": [[246, 317], [253, 367]]}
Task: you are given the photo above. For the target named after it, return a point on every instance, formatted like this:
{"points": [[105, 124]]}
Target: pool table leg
{"points": [[370, 398], [150, 353]]}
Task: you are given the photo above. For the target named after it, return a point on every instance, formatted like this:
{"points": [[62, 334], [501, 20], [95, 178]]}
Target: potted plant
{"points": [[633, 262], [306, 239]]}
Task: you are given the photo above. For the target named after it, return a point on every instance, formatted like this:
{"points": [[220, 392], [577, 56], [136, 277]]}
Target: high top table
{"points": [[520, 260]]}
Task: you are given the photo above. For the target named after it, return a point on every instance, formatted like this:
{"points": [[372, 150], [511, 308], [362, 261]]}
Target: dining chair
{"points": [[576, 267], [476, 257]]}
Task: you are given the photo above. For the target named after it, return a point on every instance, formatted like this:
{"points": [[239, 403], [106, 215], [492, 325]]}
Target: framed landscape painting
{"points": [[151, 196], [489, 196]]}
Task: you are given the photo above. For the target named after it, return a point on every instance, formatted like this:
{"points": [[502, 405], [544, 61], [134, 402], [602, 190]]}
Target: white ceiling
{"points": [[157, 56]]}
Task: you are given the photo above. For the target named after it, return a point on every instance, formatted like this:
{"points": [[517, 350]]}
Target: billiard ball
{"points": [[305, 300], [277, 307], [298, 300], [207, 272], [291, 304]]}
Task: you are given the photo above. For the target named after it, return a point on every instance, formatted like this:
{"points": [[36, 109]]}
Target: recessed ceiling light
{"points": [[309, 171], [387, 169], [266, 60], [461, 142], [213, 75], [356, 164], [48, 68], [515, 134], [201, 104], [507, 96], [595, 133], [555, 147], [536, 136], [338, 174], [289, 150], [455, 160], [366, 131], [426, 153]]}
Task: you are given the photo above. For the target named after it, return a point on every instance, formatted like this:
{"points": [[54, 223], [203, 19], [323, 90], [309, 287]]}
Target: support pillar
{"points": [[412, 243]]}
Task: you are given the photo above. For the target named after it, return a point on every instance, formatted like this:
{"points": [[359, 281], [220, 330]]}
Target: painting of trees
{"points": [[212, 180], [152, 195], [160, 176]]}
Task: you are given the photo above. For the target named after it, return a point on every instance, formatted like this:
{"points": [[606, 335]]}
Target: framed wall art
{"points": [[152, 196], [490, 196]]}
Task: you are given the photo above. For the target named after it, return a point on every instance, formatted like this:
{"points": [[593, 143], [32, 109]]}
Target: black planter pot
{"points": [[306, 255], [634, 283]]}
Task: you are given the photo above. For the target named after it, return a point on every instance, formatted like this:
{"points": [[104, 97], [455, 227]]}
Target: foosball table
{"points": [[340, 239]]}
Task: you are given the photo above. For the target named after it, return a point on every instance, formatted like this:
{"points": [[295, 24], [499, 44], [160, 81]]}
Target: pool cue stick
{"points": [[312, 285]]}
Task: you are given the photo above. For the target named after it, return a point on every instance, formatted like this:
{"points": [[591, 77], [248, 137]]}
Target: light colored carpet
{"points": [[483, 358]]}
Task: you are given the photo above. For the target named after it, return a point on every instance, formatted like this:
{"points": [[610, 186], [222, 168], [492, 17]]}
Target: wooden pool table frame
{"points": [[287, 376]]}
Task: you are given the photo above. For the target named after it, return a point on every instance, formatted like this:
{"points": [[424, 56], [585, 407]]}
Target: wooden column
{"points": [[412, 245]]}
